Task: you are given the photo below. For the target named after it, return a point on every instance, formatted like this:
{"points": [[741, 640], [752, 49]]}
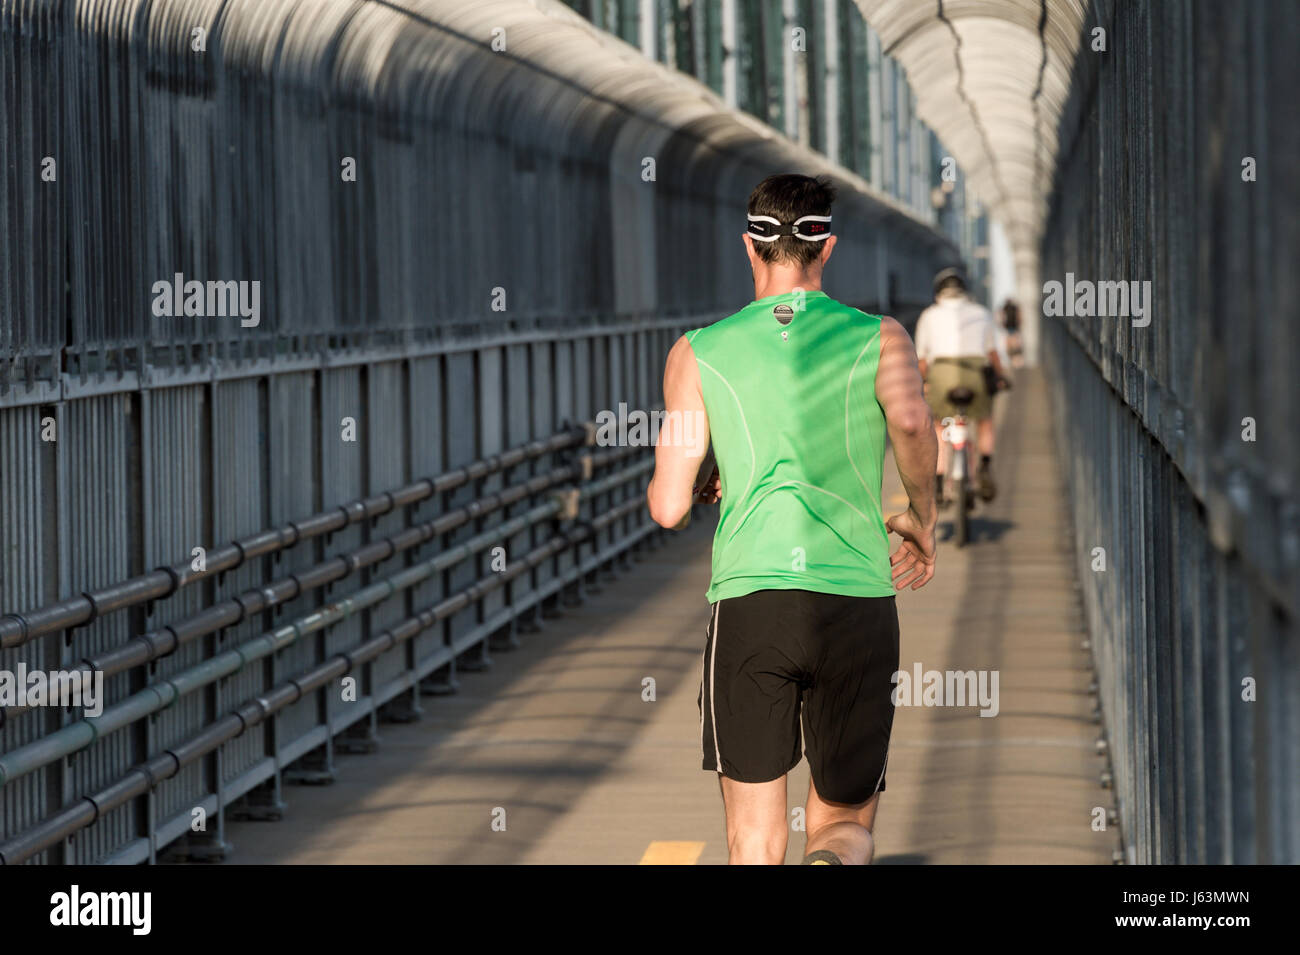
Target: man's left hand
{"points": [[710, 491]]}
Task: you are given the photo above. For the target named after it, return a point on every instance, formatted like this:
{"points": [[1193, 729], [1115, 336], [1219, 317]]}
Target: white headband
{"points": [[768, 229]]}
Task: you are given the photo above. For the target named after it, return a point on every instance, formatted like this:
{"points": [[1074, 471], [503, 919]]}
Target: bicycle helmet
{"points": [[948, 275]]}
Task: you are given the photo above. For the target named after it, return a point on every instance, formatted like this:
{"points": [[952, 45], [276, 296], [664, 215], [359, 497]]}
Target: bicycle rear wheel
{"points": [[963, 512]]}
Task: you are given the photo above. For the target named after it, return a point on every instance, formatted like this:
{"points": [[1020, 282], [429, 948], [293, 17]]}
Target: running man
{"points": [[955, 340], [798, 392]]}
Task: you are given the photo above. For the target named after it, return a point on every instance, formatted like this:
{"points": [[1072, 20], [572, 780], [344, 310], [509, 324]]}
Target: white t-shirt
{"points": [[955, 327]]}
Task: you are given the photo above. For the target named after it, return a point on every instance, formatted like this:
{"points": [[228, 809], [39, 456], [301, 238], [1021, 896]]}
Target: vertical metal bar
{"points": [[874, 119], [831, 80], [790, 111], [699, 41], [61, 544], [730, 66], [648, 24]]}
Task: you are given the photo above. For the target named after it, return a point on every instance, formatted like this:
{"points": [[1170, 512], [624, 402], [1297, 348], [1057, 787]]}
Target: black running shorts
{"points": [[773, 656]]}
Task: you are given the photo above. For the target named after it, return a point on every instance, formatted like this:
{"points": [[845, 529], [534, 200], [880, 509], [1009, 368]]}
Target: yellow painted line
{"points": [[672, 853]]}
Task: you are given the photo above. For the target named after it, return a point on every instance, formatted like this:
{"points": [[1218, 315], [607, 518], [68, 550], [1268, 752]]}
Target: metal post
{"points": [[831, 79], [649, 26], [730, 78], [790, 112], [699, 41], [875, 110]]}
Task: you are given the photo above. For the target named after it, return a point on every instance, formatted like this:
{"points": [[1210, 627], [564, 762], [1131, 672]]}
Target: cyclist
{"points": [[955, 340]]}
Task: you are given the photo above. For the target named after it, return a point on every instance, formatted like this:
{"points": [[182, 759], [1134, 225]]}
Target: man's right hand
{"points": [[913, 561]]}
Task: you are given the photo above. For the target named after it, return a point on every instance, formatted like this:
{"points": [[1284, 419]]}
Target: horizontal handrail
{"points": [[18, 629], [235, 610], [82, 733]]}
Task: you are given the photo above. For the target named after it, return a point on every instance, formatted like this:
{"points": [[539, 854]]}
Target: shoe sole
{"points": [[821, 857]]}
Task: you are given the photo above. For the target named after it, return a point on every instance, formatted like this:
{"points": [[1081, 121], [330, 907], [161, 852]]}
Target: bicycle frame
{"points": [[956, 434]]}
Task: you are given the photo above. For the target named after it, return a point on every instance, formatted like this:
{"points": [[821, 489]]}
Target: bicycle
{"points": [[956, 434]]}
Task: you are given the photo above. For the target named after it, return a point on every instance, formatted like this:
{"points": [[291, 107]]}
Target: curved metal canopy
{"points": [[991, 78]]}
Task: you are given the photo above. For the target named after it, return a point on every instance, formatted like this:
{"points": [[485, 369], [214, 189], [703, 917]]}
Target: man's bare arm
{"points": [[911, 432], [996, 361], [680, 459], [991, 348]]}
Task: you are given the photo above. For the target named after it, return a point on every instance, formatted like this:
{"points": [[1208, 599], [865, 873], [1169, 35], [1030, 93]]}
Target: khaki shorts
{"points": [[948, 373]]}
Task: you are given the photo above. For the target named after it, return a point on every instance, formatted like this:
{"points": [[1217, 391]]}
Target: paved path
{"points": [[557, 733]]}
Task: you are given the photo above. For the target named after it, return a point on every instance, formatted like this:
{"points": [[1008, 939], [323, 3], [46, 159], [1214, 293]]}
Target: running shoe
{"points": [[821, 857]]}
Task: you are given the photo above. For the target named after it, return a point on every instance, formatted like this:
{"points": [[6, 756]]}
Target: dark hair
{"points": [[1011, 315], [787, 197]]}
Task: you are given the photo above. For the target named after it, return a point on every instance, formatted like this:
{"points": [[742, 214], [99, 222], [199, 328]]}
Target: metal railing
{"points": [[460, 252], [539, 574], [19, 628], [385, 175], [163, 693], [1175, 426]]}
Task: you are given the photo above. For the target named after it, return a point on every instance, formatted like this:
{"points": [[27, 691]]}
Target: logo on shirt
{"points": [[783, 314]]}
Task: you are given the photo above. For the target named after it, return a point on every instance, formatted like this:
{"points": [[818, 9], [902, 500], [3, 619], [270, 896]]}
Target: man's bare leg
{"points": [[984, 435], [841, 828], [756, 829]]}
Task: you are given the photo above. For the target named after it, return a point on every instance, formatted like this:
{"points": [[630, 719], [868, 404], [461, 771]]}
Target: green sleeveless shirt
{"points": [[789, 385]]}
